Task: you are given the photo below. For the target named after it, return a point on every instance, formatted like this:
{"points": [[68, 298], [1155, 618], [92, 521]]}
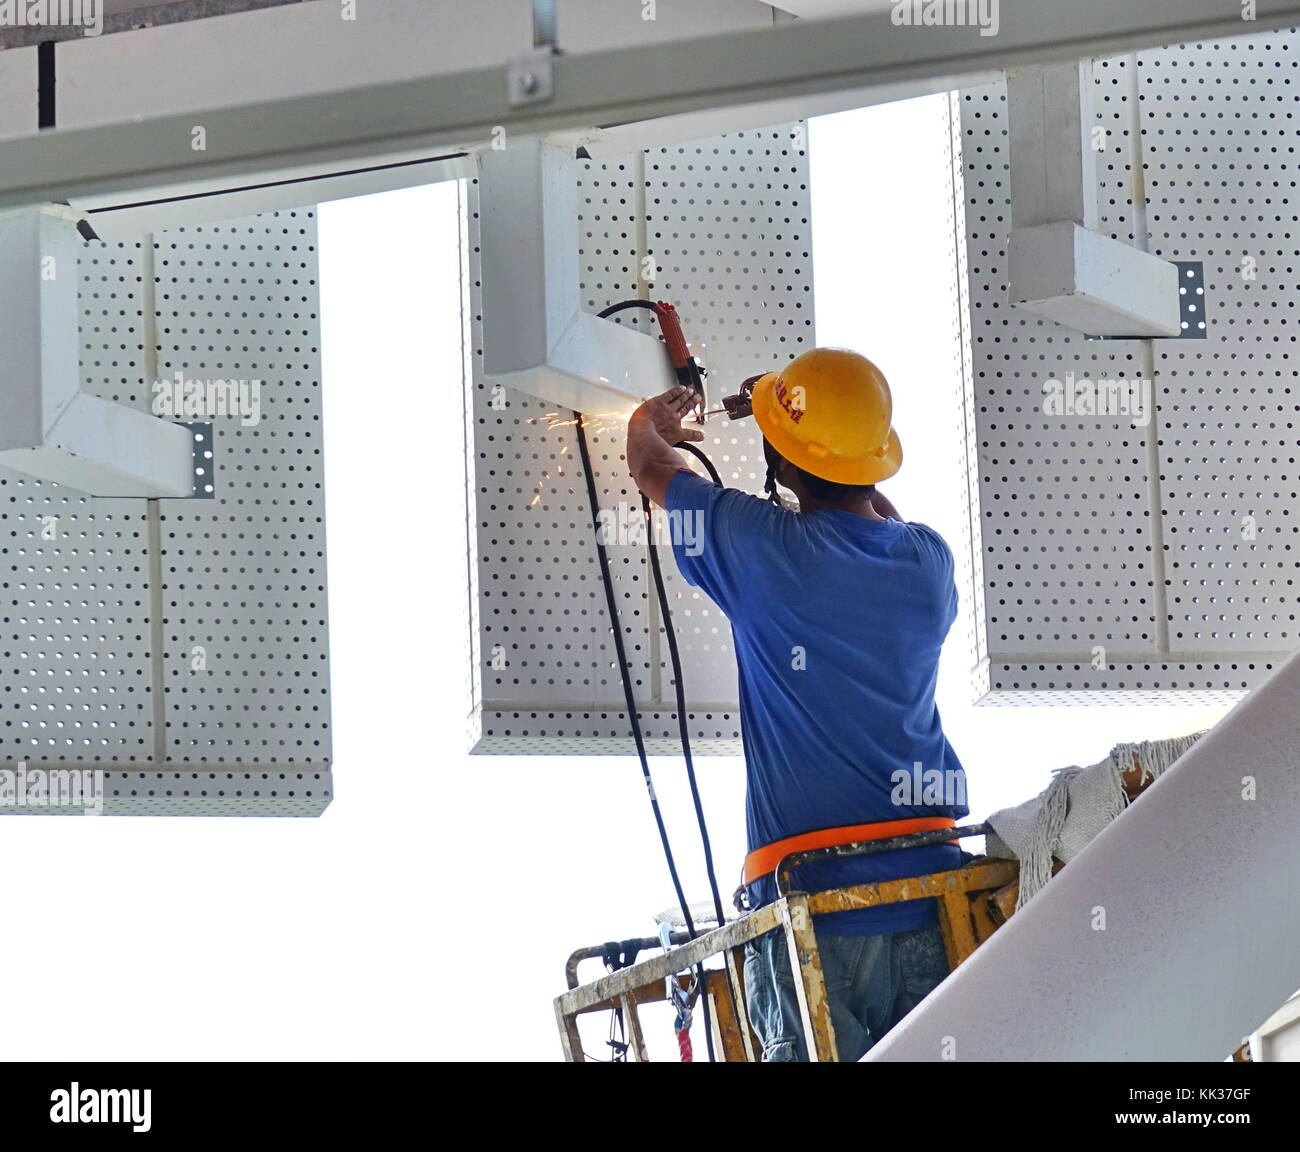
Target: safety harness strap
{"points": [[763, 861]]}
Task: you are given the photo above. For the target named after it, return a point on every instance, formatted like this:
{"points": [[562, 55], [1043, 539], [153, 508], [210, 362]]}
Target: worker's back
{"points": [[838, 622]]}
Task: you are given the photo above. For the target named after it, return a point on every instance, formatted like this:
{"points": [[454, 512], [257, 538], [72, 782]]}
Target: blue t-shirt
{"points": [[838, 622]]}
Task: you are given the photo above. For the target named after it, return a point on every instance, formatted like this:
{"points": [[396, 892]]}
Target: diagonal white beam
{"points": [[1172, 936]]}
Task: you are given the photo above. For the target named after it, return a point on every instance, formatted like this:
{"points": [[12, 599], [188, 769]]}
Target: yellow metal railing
{"points": [[969, 912]]}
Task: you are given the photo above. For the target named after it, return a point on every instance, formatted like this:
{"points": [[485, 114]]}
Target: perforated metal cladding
{"points": [[1228, 439], [102, 621], [1117, 559], [74, 645], [240, 301], [725, 223]]}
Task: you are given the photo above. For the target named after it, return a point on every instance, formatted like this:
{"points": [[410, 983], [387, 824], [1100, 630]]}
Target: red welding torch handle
{"points": [[671, 327], [684, 364]]}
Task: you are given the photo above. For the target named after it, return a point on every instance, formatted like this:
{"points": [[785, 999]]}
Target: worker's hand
{"points": [[652, 432], [664, 414]]}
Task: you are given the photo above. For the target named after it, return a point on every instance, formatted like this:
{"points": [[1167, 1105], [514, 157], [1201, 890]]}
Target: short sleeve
{"points": [[945, 565], [715, 534]]}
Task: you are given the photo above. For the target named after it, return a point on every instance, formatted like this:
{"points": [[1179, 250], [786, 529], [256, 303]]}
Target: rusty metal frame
{"points": [[965, 923]]}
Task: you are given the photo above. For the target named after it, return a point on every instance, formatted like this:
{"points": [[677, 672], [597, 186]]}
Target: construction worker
{"points": [[838, 612]]}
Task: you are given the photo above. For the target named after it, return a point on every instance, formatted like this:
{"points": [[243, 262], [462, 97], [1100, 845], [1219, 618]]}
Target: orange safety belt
{"points": [[763, 861]]}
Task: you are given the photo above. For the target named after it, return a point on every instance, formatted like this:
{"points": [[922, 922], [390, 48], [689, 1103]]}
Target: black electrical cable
{"points": [[679, 681], [629, 695], [624, 306], [621, 654], [682, 726], [687, 446], [634, 718]]}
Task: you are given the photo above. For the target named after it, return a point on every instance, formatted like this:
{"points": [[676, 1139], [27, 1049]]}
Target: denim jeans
{"points": [[872, 982]]}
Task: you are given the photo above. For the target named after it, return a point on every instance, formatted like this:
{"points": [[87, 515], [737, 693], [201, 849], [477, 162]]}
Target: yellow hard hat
{"points": [[829, 412]]}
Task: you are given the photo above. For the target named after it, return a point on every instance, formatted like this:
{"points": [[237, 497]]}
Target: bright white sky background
{"points": [[428, 913]]}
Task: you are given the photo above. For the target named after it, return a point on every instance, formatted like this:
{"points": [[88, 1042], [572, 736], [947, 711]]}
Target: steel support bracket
{"points": [[1092, 283], [537, 338], [1059, 264], [49, 428]]}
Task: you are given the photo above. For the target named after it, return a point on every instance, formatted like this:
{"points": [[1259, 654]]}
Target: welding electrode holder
{"points": [[687, 368], [741, 404]]}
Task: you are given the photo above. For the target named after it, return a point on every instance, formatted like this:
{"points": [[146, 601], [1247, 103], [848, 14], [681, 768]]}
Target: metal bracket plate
{"points": [[530, 79], [205, 476], [1191, 299]]}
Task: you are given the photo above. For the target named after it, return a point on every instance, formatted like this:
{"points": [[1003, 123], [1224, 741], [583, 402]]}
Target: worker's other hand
{"points": [[665, 414]]}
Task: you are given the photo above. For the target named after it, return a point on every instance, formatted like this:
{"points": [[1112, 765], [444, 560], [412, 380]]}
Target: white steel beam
{"points": [[240, 58], [1053, 164], [49, 428], [536, 336], [1092, 283], [1191, 896], [600, 88], [1059, 265]]}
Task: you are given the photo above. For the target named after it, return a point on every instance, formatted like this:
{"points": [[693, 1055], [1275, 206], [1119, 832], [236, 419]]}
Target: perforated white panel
{"points": [[180, 645], [243, 296], [726, 224], [1118, 559], [76, 656]]}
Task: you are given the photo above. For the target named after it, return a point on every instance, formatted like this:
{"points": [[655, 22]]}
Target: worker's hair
{"points": [[818, 489]]}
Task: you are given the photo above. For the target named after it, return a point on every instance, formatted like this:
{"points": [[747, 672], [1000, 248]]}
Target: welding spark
{"points": [[594, 422]]}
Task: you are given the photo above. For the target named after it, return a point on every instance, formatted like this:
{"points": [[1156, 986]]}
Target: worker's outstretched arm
{"points": [[651, 433]]}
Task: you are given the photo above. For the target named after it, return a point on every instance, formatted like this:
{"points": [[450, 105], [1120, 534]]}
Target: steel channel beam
{"points": [[596, 89]]}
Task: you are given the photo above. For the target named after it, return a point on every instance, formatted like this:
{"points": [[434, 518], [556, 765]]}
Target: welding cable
{"points": [[620, 653], [684, 731], [623, 306], [675, 657], [683, 727], [687, 446], [629, 697], [679, 681], [679, 684]]}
